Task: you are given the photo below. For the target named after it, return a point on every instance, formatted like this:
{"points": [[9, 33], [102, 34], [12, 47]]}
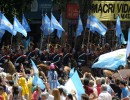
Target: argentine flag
{"points": [[34, 67], [1, 33], [80, 27], [74, 84], [128, 44], [6, 25], [18, 27], [71, 72], [55, 24], [25, 24], [111, 60], [38, 82]]}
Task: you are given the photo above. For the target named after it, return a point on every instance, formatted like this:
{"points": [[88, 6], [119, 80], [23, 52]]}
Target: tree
{"points": [[14, 7]]}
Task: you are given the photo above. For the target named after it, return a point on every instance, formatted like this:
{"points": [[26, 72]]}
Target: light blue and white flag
{"points": [[80, 27], [59, 32], [38, 82], [111, 60], [119, 32], [25, 24], [34, 67], [95, 25], [18, 27], [6, 25], [46, 26], [2, 32], [26, 44], [128, 44], [55, 24], [71, 72], [75, 84]]}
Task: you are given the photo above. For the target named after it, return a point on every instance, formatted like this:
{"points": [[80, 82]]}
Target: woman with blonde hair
{"points": [[56, 94]]}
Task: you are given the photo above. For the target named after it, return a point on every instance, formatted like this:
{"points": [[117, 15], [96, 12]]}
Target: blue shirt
{"points": [[125, 92]]}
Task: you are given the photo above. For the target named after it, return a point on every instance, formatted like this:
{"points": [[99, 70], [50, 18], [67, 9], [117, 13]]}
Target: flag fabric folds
{"points": [[55, 24], [111, 60], [46, 25], [80, 27], [34, 67], [119, 32], [18, 27], [71, 72], [95, 25], [38, 82], [1, 34], [26, 44], [6, 25], [75, 84], [59, 32], [128, 44], [25, 24]]}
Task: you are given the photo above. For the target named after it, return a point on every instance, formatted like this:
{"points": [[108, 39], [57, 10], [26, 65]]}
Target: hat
{"points": [[52, 66]]}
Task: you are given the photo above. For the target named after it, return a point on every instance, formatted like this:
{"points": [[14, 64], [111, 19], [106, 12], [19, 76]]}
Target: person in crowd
{"points": [[84, 97], [98, 83], [88, 89], [52, 76], [56, 94], [125, 91], [116, 88], [62, 94], [104, 95], [109, 89]]}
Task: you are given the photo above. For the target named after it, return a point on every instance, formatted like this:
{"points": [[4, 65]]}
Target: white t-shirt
{"points": [[104, 96]]}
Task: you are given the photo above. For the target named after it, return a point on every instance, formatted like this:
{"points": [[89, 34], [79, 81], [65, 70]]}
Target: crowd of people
{"points": [[54, 64]]}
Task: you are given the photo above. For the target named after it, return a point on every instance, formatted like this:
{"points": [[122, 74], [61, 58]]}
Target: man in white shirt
{"points": [[104, 95]]}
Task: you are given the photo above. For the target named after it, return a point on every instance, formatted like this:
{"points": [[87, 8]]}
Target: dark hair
{"points": [[15, 90], [84, 97], [70, 96], [86, 82], [11, 83], [27, 71], [123, 82], [61, 90], [117, 81], [103, 81]]}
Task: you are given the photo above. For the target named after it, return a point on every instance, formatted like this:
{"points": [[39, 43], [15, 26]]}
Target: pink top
{"points": [[35, 95]]}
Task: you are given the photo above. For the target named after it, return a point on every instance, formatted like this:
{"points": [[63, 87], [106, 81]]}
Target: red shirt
{"points": [[98, 89], [1, 97], [88, 90]]}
